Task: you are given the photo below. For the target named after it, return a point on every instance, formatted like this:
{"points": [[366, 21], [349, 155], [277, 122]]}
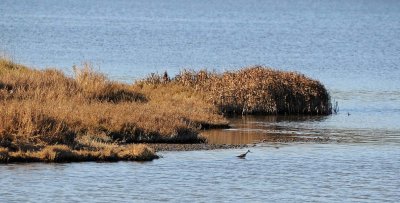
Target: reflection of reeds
{"points": [[258, 90]]}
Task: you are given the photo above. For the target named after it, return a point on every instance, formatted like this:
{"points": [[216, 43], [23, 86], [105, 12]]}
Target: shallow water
{"points": [[352, 47], [336, 128], [289, 173]]}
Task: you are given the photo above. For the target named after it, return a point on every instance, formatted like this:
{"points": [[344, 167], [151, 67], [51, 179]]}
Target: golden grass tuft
{"points": [[259, 90], [96, 86], [56, 153], [136, 152], [4, 155]]}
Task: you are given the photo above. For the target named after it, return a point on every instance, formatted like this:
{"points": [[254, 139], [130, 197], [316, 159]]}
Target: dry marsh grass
{"points": [[39, 108], [256, 90], [63, 153]]}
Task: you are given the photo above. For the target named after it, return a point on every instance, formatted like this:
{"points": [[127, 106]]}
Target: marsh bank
{"points": [[45, 111]]}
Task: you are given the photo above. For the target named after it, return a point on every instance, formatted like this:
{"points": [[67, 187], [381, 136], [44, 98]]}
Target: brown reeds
{"points": [[44, 107], [63, 153], [259, 90]]}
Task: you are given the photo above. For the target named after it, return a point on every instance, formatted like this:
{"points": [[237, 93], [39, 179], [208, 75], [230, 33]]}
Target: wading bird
{"points": [[242, 156]]}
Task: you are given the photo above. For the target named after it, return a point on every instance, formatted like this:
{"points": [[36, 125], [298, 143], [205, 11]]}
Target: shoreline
{"points": [[160, 147], [135, 152]]}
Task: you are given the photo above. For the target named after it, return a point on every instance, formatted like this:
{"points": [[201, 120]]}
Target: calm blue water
{"points": [[291, 173], [350, 46]]}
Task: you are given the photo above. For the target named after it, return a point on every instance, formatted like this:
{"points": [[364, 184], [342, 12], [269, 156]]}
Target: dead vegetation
{"points": [[48, 116], [63, 153], [39, 108], [255, 90]]}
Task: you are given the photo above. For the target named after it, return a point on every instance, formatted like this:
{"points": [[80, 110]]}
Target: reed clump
{"points": [[257, 90]]}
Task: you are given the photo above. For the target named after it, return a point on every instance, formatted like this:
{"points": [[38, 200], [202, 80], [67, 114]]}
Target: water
{"points": [[291, 173], [358, 128], [352, 47]]}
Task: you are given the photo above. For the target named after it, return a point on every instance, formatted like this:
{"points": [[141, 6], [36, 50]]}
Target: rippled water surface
{"points": [[282, 173], [337, 128], [352, 47]]}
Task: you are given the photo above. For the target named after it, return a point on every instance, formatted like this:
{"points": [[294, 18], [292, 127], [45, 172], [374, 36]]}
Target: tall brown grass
{"points": [[256, 90], [44, 107]]}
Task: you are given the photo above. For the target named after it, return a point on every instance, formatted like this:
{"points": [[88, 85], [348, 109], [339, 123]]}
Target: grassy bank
{"points": [[63, 153], [85, 116]]}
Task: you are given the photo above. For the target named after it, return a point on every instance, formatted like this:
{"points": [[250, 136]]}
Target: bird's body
{"points": [[242, 156]]}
